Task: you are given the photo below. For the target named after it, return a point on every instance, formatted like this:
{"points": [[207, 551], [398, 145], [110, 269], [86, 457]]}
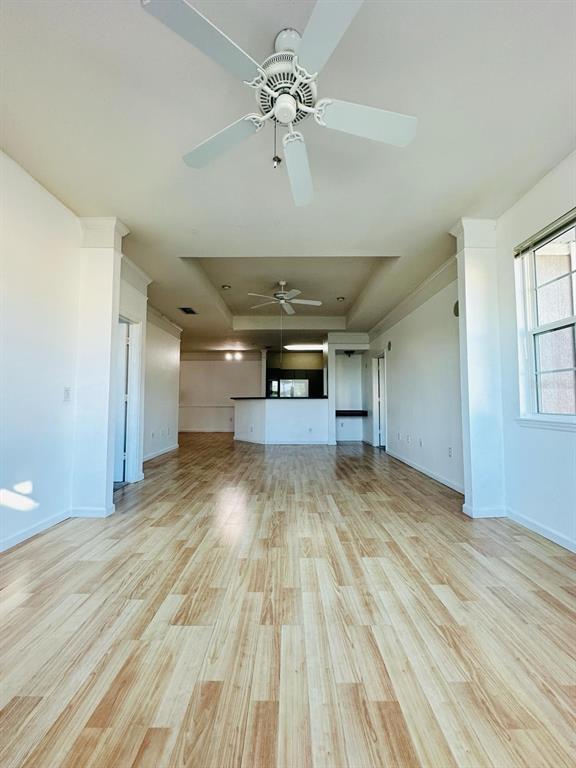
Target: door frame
{"points": [[381, 402], [133, 472]]}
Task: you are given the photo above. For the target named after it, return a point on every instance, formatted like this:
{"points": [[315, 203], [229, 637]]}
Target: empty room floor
{"points": [[287, 606]]}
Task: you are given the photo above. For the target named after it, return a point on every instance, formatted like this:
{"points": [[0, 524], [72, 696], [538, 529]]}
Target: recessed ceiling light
{"points": [[304, 347], [225, 287], [341, 298], [229, 356], [238, 355]]}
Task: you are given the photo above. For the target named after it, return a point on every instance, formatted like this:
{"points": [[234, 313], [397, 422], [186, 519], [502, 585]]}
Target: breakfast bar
{"points": [[281, 420]]}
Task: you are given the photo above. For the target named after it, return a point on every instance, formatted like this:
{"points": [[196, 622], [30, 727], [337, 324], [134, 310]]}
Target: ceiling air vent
{"points": [[188, 311]]}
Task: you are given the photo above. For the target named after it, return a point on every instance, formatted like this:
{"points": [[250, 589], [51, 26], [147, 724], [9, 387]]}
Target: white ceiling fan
{"points": [[285, 86], [285, 299]]}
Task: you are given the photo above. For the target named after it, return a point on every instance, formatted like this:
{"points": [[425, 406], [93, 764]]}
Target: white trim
{"points": [[161, 452], [543, 530], [27, 533], [93, 511], [562, 424], [135, 276], [439, 479], [156, 317], [480, 513], [406, 306]]}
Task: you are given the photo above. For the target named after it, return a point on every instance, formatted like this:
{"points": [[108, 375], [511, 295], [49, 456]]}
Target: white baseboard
{"points": [[425, 471], [42, 525], [93, 511], [136, 479], [483, 512], [161, 452], [543, 530], [219, 431]]}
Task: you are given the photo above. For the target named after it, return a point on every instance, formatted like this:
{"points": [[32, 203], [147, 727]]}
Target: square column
{"points": [[480, 368], [99, 306]]}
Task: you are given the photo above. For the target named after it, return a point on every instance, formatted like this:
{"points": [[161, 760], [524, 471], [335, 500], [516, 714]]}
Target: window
{"points": [[549, 269], [294, 388]]}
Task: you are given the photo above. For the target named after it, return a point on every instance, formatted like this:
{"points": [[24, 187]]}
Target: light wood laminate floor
{"points": [[287, 606]]}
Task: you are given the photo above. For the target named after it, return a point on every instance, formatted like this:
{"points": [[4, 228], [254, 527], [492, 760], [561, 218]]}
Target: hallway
{"points": [[287, 606]]}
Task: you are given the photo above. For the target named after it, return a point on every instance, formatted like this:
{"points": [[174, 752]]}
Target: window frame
{"points": [[532, 330]]}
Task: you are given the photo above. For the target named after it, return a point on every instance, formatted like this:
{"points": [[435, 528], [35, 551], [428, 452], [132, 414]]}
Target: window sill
{"points": [[560, 423]]}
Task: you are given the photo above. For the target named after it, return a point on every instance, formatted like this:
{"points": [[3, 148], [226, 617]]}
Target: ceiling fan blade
{"points": [[309, 302], [221, 142], [261, 296], [256, 306], [190, 24], [292, 294], [288, 309], [298, 168], [327, 24], [368, 122]]}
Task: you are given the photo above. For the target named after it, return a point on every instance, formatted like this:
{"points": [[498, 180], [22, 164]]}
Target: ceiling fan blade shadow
{"points": [[292, 294], [368, 122], [327, 24], [298, 168], [221, 142], [308, 302], [186, 21], [262, 296], [266, 303], [288, 309]]}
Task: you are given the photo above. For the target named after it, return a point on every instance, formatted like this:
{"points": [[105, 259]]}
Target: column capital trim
{"points": [[103, 232], [474, 233]]}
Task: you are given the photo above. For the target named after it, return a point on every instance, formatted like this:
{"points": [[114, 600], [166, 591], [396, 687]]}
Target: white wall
{"points": [[423, 388], [162, 371], [349, 396], [540, 462], [39, 242], [207, 382]]}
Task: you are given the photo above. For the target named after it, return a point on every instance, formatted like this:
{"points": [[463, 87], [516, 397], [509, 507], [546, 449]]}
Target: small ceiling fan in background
{"points": [[285, 86], [285, 299]]}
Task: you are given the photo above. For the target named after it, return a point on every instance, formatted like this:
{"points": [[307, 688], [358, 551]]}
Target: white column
{"points": [[99, 304], [480, 369]]}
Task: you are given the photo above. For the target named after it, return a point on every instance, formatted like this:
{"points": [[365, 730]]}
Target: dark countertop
{"points": [[322, 397]]}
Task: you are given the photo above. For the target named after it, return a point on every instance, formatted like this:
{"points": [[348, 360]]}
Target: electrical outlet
{"points": [[251, 428], [152, 434], [408, 439], [399, 438], [341, 423], [450, 452], [67, 396], [420, 443]]}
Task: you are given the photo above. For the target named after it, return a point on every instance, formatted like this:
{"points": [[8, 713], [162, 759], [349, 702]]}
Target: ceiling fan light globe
{"points": [[287, 40], [285, 108]]}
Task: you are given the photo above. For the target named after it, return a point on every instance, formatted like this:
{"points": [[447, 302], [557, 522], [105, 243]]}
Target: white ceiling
{"points": [[100, 101], [324, 279]]}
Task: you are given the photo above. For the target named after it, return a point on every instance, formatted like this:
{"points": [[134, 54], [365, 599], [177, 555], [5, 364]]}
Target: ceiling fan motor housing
{"points": [[280, 78]]}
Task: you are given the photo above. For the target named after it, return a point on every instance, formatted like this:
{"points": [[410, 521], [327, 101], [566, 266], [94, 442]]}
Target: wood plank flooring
{"points": [[287, 606]]}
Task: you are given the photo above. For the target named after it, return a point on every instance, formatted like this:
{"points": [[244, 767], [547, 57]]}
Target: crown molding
{"points": [[474, 233], [103, 232]]}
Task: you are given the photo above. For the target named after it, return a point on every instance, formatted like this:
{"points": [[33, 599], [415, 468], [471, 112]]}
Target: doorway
{"points": [[381, 399], [121, 417]]}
